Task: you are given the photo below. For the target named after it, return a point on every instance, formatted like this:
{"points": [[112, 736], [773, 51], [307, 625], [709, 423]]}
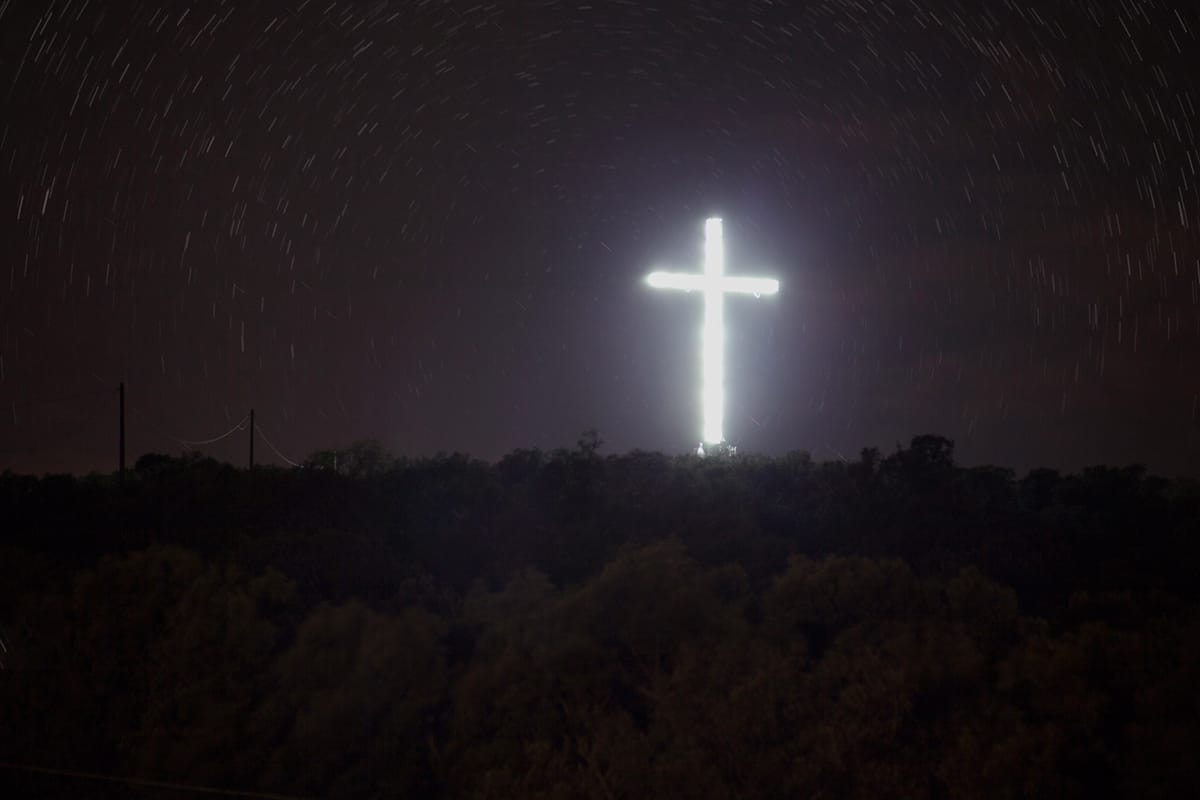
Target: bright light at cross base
{"points": [[715, 285]]}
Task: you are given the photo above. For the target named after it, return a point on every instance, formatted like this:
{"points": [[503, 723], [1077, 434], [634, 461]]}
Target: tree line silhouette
{"points": [[574, 624]]}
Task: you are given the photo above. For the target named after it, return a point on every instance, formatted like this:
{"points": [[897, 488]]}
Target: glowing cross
{"points": [[714, 283]]}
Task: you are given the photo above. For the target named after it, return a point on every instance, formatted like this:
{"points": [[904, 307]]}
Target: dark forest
{"points": [[576, 624]]}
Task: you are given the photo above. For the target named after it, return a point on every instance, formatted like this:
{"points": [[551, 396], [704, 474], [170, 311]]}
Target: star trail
{"points": [[428, 223]]}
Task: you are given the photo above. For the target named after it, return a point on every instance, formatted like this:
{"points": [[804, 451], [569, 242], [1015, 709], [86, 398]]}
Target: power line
{"points": [[181, 787], [59, 438], [241, 426], [191, 442], [286, 460], [49, 401]]}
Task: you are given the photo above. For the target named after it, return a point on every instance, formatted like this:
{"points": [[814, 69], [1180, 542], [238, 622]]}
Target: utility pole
{"points": [[252, 438], [121, 460]]}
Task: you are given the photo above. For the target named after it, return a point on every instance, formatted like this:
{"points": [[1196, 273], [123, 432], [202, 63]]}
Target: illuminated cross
{"points": [[714, 283]]}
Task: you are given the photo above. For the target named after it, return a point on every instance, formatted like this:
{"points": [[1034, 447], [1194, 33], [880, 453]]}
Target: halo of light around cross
{"points": [[715, 284]]}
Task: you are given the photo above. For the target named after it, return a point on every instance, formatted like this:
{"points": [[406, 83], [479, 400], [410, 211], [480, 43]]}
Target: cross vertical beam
{"points": [[713, 391], [715, 284]]}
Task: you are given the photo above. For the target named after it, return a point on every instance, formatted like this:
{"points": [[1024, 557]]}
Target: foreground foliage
{"points": [[572, 625]]}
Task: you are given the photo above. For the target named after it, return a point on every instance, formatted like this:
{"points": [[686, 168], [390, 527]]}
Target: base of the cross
{"points": [[716, 450]]}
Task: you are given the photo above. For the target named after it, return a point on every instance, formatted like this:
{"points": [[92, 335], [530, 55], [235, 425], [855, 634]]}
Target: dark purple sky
{"points": [[427, 222]]}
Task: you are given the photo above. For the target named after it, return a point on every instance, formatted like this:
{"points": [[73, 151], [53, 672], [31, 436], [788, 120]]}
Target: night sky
{"points": [[428, 223]]}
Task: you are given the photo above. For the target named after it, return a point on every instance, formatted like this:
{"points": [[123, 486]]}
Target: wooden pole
{"points": [[121, 456]]}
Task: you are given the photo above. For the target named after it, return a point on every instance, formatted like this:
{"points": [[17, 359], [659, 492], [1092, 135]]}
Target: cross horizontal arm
{"points": [[692, 282], [687, 281], [749, 285]]}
